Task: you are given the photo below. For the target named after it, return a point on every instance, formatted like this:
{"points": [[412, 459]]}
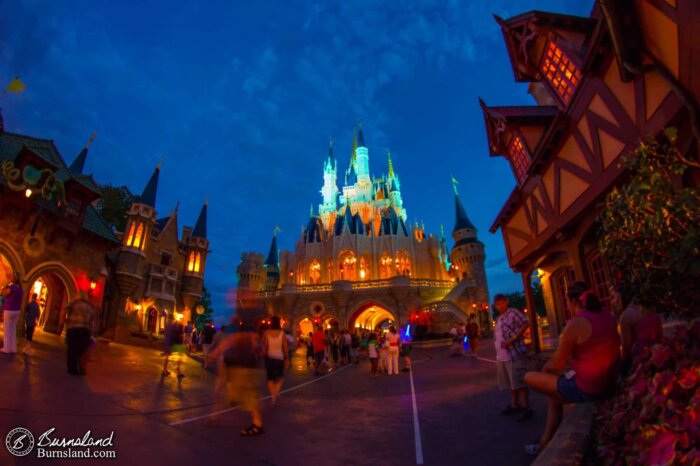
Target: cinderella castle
{"points": [[359, 263]]}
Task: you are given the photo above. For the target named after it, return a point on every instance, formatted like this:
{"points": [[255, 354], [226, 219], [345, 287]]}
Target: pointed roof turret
{"points": [[391, 165], [461, 220], [330, 149], [148, 196], [78, 164], [200, 228], [273, 259], [348, 219], [360, 135]]}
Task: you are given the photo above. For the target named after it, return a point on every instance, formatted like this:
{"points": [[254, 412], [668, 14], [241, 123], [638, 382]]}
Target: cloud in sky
{"points": [[241, 97]]}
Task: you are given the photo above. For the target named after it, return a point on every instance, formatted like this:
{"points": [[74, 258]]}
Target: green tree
{"points": [[651, 227], [114, 204], [205, 302]]}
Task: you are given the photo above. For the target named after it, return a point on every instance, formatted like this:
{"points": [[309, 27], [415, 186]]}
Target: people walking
{"points": [[174, 344], [393, 341], [275, 350], [373, 352], [188, 337], [11, 306], [31, 318], [80, 317], [405, 350], [318, 339], [208, 334], [510, 356]]}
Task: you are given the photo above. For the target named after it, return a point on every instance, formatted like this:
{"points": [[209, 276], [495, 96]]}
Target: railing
{"points": [[364, 285]]}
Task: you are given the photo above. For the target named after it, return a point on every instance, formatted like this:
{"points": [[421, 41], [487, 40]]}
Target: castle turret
{"points": [[329, 191], [467, 254], [141, 218], [196, 249], [394, 188], [272, 266]]}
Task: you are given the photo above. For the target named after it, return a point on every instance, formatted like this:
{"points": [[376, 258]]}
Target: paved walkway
{"points": [[343, 418]]}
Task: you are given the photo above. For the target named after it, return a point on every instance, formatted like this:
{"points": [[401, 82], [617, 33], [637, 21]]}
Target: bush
{"points": [[655, 417]]}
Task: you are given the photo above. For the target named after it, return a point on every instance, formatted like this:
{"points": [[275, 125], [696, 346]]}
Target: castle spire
{"points": [[273, 259], [148, 196], [200, 228], [391, 165], [360, 135], [78, 164], [461, 220], [330, 149]]}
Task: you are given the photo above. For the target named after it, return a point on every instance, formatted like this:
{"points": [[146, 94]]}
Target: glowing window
{"points": [[190, 262], [197, 261], [130, 235], [346, 265], [364, 268], [138, 237], [403, 263], [315, 272], [385, 266], [561, 72], [519, 158]]}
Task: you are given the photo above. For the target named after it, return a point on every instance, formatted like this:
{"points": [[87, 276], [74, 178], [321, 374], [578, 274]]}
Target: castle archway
{"points": [[55, 287], [371, 315]]}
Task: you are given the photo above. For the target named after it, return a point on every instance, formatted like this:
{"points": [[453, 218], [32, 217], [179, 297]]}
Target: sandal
{"points": [[533, 449], [252, 430]]}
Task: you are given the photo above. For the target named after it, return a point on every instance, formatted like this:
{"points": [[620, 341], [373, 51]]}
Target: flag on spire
{"points": [[454, 184], [277, 230], [16, 86], [391, 165]]}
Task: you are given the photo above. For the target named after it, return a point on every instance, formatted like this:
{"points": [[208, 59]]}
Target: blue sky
{"points": [[240, 97]]}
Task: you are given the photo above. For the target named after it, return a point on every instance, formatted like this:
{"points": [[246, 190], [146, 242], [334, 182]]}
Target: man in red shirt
{"points": [[319, 342]]}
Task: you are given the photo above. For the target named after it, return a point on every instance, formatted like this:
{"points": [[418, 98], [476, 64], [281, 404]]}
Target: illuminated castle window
{"points": [[403, 263], [519, 158], [130, 235], [561, 72], [314, 272], [364, 268], [194, 262], [385, 266], [346, 265], [138, 239]]}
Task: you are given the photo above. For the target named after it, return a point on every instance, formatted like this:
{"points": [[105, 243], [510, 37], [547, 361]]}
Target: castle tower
{"points": [[78, 165], [467, 254], [329, 191], [196, 249], [364, 181], [395, 190], [272, 266], [141, 218]]}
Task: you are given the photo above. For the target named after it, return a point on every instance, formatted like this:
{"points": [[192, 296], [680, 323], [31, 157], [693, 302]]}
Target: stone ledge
{"points": [[569, 444]]}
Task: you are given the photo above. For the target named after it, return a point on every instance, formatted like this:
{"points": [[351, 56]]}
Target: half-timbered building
{"points": [[602, 83]]}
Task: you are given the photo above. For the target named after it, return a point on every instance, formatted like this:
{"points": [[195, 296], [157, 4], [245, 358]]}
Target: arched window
{"points": [[191, 261], [138, 237], [365, 272], [130, 235], [403, 263], [346, 265], [315, 272], [385, 266]]}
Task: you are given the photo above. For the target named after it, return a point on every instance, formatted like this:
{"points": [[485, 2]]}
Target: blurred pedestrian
{"points": [[373, 351], [393, 341], [188, 336], [31, 318], [174, 344], [276, 354], [241, 352], [318, 339], [11, 306], [80, 317], [208, 334], [405, 350]]}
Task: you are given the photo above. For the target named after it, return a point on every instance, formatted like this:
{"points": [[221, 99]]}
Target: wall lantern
{"points": [[28, 193]]}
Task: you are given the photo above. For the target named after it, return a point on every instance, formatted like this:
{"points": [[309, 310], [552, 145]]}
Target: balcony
{"points": [[444, 285]]}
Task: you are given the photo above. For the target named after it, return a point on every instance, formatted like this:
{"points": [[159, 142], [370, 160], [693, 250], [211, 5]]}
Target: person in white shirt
{"points": [[394, 340]]}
